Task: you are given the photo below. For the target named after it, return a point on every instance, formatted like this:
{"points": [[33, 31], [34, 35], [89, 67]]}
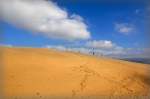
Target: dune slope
{"points": [[43, 73]]}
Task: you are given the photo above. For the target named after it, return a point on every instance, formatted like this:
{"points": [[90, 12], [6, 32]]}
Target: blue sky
{"points": [[102, 17], [121, 23]]}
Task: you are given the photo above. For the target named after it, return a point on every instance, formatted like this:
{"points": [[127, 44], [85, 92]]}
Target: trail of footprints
{"points": [[87, 73]]}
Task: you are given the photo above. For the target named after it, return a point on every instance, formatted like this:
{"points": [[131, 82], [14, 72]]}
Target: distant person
{"points": [[93, 53]]}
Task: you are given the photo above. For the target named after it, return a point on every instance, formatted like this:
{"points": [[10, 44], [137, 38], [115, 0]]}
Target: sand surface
{"points": [[42, 73]]}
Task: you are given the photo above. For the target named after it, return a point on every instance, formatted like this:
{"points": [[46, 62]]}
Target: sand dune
{"points": [[41, 73]]}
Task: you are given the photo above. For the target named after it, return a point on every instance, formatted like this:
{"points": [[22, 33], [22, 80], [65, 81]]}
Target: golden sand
{"points": [[40, 73]]}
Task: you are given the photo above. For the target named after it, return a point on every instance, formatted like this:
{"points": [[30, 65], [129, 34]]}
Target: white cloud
{"points": [[116, 52], [43, 17], [72, 49], [101, 47], [6, 45], [124, 28], [77, 17], [85, 50], [104, 44], [58, 47]]}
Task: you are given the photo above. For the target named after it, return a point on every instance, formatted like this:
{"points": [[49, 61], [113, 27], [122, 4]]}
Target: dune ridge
{"points": [[42, 72]]}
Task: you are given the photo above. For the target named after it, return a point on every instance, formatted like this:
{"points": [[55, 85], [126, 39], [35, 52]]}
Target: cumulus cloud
{"points": [[124, 28], [104, 44], [101, 47], [85, 50], [104, 47], [43, 17], [116, 52]]}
